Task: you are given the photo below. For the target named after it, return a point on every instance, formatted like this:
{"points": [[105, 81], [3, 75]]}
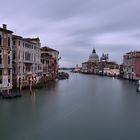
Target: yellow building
{"points": [[5, 58]]}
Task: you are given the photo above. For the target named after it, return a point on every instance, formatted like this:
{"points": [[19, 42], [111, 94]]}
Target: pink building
{"points": [[131, 65]]}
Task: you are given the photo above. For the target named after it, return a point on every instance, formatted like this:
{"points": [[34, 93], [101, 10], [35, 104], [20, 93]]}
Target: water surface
{"points": [[85, 107]]}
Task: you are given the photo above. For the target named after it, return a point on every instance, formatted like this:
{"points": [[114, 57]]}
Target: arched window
{"points": [[14, 55]]}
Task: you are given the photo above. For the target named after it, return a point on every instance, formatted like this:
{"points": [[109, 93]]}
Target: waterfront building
{"points": [[5, 58], [49, 60], [76, 69], [91, 66], [104, 58], [26, 61], [131, 65], [107, 67], [110, 68], [102, 67]]}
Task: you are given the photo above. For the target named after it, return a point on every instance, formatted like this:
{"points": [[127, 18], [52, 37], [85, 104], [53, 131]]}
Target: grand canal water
{"points": [[85, 107]]}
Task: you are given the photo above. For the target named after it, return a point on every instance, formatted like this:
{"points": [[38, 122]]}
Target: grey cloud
{"points": [[74, 27]]}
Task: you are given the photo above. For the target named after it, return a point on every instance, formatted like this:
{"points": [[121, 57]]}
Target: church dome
{"points": [[93, 57]]}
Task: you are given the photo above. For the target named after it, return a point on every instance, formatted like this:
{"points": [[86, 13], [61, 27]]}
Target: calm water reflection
{"points": [[85, 107]]}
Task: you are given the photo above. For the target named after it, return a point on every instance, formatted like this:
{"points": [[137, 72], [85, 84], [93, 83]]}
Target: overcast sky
{"points": [[75, 27]]}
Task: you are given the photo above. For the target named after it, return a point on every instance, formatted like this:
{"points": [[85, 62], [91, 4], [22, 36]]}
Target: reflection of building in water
{"points": [[33, 99]]}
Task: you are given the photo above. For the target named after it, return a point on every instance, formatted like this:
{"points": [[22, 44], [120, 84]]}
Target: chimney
{"points": [[4, 26]]}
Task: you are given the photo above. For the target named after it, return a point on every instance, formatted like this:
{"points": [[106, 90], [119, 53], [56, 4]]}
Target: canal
{"points": [[85, 107]]}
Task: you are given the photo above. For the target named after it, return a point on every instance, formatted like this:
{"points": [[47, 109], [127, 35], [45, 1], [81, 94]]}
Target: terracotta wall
{"points": [[137, 67]]}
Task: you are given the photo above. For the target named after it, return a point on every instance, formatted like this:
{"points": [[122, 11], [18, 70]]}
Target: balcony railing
{"points": [[29, 72]]}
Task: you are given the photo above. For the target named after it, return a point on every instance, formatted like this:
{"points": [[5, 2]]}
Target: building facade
{"points": [[102, 67], [26, 60], [5, 58], [91, 66], [49, 60], [131, 65]]}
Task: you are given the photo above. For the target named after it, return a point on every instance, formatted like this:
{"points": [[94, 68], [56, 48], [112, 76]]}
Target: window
{"points": [[14, 70], [0, 59], [19, 55], [9, 71], [34, 57], [14, 42], [9, 42], [0, 76], [23, 55], [23, 44], [27, 56], [8, 80], [23, 69], [0, 40], [14, 55], [19, 69], [0, 72], [8, 59], [19, 43], [27, 45]]}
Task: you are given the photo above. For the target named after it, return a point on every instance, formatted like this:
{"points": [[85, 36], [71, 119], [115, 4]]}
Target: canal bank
{"points": [[83, 107]]}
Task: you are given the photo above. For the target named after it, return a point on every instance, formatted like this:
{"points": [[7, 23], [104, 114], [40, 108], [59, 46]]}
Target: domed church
{"points": [[94, 57], [91, 66]]}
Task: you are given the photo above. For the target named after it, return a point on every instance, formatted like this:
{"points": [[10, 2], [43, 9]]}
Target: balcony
{"points": [[28, 61], [29, 72]]}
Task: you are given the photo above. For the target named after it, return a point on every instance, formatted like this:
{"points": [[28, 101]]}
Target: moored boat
{"points": [[62, 76], [9, 95]]}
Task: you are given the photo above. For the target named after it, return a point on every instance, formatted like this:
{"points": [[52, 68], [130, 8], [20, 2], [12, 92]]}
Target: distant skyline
{"points": [[75, 27]]}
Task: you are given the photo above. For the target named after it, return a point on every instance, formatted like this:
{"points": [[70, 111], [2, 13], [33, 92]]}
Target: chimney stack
{"points": [[4, 26]]}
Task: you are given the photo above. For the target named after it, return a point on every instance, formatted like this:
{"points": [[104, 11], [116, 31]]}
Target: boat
{"points": [[9, 95], [62, 76], [138, 86]]}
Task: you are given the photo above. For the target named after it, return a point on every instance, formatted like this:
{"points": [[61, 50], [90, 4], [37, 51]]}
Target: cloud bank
{"points": [[75, 27]]}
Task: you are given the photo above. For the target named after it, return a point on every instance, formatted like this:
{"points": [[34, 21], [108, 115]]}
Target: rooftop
{"points": [[4, 29], [45, 48]]}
